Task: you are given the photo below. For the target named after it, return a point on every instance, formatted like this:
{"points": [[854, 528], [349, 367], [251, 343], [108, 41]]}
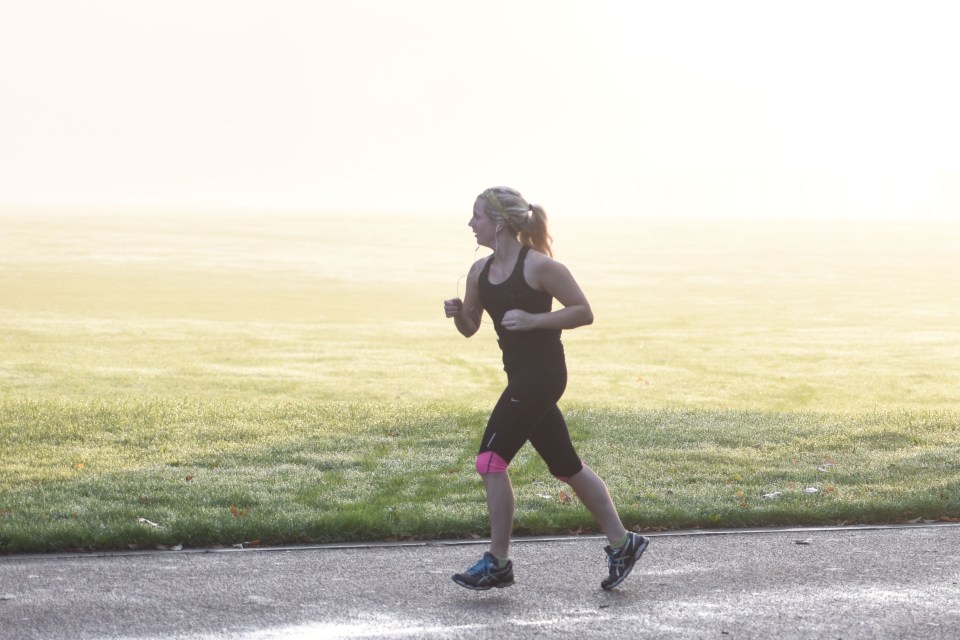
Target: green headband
{"points": [[491, 197], [494, 202]]}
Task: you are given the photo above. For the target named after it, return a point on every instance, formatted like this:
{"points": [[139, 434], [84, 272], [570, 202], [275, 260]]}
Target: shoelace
{"points": [[618, 557], [482, 566]]}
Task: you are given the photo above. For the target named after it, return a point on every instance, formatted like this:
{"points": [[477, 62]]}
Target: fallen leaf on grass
{"points": [[189, 479], [564, 498], [238, 513]]}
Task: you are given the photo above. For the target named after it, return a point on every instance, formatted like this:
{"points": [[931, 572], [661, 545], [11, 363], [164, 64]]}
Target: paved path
{"points": [[820, 584]]}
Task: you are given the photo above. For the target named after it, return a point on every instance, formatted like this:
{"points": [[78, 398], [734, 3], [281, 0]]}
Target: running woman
{"points": [[516, 286]]}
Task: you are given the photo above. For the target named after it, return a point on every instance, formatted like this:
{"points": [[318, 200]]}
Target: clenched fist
{"points": [[453, 307]]}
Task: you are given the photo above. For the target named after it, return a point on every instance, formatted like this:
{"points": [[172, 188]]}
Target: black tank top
{"points": [[515, 293]]}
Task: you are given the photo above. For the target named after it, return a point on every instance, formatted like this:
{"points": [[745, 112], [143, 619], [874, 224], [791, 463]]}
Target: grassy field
{"points": [[290, 379]]}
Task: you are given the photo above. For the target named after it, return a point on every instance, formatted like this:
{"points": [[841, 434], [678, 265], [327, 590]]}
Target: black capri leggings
{"points": [[527, 410]]}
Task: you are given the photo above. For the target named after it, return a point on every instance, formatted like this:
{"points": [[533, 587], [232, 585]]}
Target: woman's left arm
{"points": [[554, 278]]}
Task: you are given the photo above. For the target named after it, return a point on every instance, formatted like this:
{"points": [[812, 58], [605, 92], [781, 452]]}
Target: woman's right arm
{"points": [[467, 313]]}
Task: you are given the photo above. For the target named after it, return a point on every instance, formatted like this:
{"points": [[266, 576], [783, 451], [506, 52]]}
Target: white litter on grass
{"points": [[811, 490], [771, 496], [148, 523]]}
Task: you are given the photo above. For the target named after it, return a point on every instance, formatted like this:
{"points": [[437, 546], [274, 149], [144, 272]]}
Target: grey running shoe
{"points": [[621, 560], [485, 574]]}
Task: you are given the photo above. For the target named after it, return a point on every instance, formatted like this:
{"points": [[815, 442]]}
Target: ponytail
{"points": [[536, 234]]}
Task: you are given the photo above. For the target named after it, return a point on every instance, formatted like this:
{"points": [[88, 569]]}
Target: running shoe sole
{"points": [[473, 587]]}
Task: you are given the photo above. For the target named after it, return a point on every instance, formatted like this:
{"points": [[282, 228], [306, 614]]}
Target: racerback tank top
{"points": [[515, 293]]}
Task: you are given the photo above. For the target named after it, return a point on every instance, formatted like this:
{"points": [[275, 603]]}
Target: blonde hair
{"points": [[528, 221]]}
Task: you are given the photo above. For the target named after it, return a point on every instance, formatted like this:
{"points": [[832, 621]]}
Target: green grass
{"points": [[246, 381], [81, 474]]}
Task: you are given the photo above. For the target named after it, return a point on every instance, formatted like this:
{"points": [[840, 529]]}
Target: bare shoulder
{"points": [[540, 271], [478, 266], [543, 263]]}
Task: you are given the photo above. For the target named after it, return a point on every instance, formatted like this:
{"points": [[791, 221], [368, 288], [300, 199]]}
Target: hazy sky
{"points": [[663, 108]]}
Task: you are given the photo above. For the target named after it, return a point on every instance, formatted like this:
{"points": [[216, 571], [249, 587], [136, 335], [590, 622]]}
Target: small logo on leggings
{"points": [[514, 399]]}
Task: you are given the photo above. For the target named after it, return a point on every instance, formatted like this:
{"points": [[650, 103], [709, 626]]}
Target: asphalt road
{"points": [[821, 584]]}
